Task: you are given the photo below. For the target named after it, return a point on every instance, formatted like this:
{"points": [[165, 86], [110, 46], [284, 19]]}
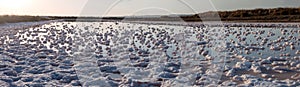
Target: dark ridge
{"points": [[258, 15]]}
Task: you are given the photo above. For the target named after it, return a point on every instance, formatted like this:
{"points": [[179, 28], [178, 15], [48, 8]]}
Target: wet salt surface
{"points": [[132, 54]]}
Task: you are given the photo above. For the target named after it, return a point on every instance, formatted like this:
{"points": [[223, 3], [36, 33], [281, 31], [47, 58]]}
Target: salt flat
{"points": [[149, 54]]}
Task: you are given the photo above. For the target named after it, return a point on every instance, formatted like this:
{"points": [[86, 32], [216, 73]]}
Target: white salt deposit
{"points": [[149, 54]]}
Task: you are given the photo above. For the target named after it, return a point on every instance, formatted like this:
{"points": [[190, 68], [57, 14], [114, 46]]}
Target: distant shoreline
{"points": [[21, 18], [274, 15]]}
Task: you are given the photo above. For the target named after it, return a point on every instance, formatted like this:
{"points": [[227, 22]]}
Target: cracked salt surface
{"points": [[147, 54]]}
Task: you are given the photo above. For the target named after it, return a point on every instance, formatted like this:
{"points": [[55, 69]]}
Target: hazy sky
{"points": [[132, 7]]}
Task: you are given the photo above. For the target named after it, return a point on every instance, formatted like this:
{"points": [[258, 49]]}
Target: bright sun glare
{"points": [[13, 4]]}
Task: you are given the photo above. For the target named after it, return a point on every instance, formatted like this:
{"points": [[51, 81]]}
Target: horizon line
{"points": [[178, 14]]}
